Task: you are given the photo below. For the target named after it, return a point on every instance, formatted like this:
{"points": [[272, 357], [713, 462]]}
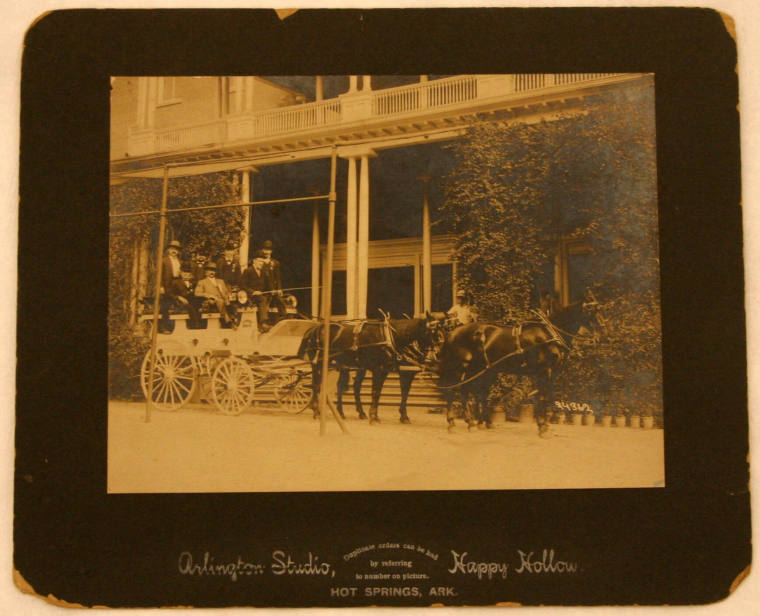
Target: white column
{"points": [[142, 274], [352, 83], [142, 102], [362, 252], [134, 292], [245, 234], [417, 293], [248, 93], [319, 88], [427, 248], [351, 296], [454, 283], [366, 82], [152, 100], [315, 261]]}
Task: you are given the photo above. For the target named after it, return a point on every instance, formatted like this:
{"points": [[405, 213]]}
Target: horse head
{"points": [[435, 334], [578, 322]]}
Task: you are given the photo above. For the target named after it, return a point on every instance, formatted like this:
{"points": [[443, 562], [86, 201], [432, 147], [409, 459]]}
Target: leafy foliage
{"points": [[520, 189], [206, 231]]}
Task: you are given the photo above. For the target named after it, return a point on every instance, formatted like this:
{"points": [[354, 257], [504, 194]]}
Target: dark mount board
{"points": [[682, 544]]}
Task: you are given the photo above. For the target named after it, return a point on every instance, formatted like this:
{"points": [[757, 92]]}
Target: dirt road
{"points": [[198, 450]]}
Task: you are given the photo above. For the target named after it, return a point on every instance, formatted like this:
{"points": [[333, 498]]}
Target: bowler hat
{"points": [[461, 294], [174, 244], [210, 266], [267, 245]]}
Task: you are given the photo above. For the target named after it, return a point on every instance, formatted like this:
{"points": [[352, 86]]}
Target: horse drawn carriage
{"points": [[229, 367]]}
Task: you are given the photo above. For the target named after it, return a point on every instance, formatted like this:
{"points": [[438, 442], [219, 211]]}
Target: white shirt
{"points": [[463, 314], [175, 266]]}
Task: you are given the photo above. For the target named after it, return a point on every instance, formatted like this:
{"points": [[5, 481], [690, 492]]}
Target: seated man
{"points": [[272, 282], [173, 289], [253, 282], [214, 290], [461, 313]]}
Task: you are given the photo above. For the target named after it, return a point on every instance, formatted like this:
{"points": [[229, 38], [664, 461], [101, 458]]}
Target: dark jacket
{"points": [[230, 273], [251, 281], [272, 280]]}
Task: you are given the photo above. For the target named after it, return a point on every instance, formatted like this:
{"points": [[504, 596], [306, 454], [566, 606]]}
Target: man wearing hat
{"points": [[461, 313], [199, 268], [272, 282], [173, 289], [215, 290], [253, 282], [228, 268]]}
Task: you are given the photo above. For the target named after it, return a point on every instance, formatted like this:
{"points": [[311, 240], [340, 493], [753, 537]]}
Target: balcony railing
{"points": [[172, 139], [451, 92], [296, 118], [425, 95]]}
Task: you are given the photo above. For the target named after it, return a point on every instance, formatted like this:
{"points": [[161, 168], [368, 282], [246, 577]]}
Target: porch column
{"points": [[352, 83], [427, 248], [134, 293], [142, 101], [315, 261], [366, 82], [152, 100], [248, 106], [351, 296], [246, 185], [319, 88], [142, 272], [362, 252]]}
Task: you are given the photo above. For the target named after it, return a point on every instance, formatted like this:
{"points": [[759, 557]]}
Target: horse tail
{"points": [[309, 343]]}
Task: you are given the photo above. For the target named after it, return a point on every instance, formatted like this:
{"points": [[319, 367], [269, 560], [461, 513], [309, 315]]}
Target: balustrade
{"points": [[361, 105]]}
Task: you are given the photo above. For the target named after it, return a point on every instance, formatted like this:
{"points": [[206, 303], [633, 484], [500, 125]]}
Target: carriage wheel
{"points": [[293, 391], [232, 386], [174, 380]]}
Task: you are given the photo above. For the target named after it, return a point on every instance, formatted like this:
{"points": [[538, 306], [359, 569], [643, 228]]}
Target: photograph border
{"points": [[67, 527]]}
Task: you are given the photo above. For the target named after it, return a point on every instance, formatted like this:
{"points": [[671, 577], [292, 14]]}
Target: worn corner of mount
{"points": [[26, 588], [739, 579], [729, 24], [285, 13]]}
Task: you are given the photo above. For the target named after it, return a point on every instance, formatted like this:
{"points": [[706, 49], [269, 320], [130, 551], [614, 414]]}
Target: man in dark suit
{"points": [[228, 268], [173, 289], [253, 282], [272, 281], [199, 266]]}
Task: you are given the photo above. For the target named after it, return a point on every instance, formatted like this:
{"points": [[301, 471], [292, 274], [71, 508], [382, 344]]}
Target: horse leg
{"points": [[342, 387], [484, 418], [378, 378], [449, 395], [316, 380], [405, 378], [358, 379], [545, 400], [469, 401]]}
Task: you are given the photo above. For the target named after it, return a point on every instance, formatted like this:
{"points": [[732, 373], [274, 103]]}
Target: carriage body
{"points": [[228, 367]]}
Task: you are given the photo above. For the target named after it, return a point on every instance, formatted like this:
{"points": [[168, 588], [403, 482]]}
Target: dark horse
{"points": [[473, 355], [377, 346]]}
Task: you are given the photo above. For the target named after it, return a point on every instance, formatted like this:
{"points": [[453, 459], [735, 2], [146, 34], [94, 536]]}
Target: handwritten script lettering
{"points": [[283, 564], [546, 564], [208, 567], [474, 567]]}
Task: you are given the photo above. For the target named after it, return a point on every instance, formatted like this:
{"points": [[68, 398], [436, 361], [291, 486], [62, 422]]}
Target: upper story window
{"points": [[167, 91]]}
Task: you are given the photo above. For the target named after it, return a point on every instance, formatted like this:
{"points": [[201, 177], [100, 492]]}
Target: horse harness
{"points": [[516, 334]]}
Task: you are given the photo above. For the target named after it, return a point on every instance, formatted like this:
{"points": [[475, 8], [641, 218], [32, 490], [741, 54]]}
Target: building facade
{"points": [[390, 133]]}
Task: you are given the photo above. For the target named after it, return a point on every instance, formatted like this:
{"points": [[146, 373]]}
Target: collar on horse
{"points": [[556, 332]]}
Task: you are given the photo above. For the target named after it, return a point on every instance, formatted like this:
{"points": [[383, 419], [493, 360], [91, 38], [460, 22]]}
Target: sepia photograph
{"points": [[484, 247], [401, 308]]}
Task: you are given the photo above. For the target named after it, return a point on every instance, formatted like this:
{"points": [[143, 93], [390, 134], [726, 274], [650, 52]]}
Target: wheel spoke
{"points": [[181, 385], [158, 394]]}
